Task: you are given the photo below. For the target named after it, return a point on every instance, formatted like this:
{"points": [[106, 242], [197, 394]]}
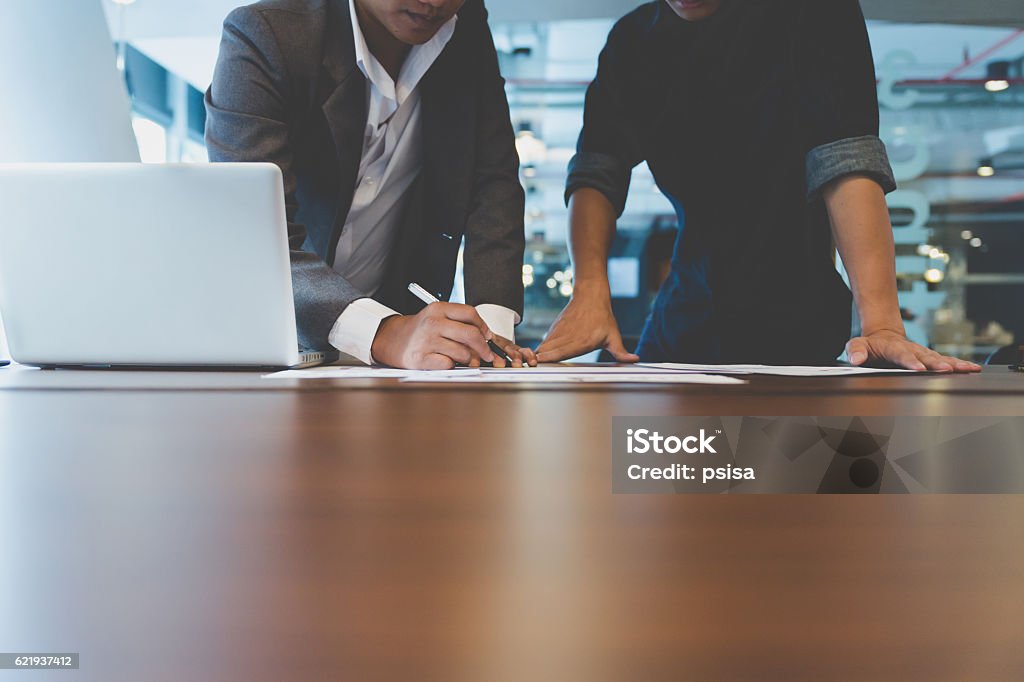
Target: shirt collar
{"points": [[417, 62]]}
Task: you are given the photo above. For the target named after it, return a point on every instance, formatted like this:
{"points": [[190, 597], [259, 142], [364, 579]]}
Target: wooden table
{"points": [[185, 526]]}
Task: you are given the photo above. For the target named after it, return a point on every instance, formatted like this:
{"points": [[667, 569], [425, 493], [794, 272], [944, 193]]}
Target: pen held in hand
{"points": [[428, 298]]}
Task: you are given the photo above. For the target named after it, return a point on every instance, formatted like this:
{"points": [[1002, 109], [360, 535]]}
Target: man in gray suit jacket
{"points": [[389, 121]]}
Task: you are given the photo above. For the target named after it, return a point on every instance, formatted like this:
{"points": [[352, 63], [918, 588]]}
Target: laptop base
{"points": [[306, 359]]}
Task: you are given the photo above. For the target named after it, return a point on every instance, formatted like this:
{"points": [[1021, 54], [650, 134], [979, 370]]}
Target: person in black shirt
{"points": [[759, 122]]}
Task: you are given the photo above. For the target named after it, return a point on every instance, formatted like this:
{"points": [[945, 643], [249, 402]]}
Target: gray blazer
{"points": [[287, 90]]}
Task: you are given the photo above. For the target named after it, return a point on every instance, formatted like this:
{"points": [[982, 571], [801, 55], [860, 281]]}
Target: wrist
{"points": [[876, 318], [596, 288], [877, 327], [379, 348]]}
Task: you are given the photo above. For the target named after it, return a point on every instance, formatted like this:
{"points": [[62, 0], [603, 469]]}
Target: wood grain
{"points": [[212, 531]]}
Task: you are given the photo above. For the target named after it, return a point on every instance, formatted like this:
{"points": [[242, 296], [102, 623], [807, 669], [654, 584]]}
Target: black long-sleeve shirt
{"points": [[742, 118]]}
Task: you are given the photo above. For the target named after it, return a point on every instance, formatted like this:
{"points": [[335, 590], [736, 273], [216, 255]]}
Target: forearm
{"points": [[863, 234], [588, 321], [591, 229], [321, 295]]}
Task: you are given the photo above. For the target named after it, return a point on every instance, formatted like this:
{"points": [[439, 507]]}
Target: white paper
{"points": [[363, 372], [546, 374], [563, 368], [652, 372], [572, 377], [773, 370], [330, 372]]}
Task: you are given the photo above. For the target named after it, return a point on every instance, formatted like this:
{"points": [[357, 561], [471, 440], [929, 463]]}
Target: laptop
{"points": [[133, 265], [65, 99]]}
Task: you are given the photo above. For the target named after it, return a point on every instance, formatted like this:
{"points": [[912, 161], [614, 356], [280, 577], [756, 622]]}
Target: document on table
{"points": [[775, 370], [363, 372], [645, 372], [343, 372], [572, 376], [548, 374]]}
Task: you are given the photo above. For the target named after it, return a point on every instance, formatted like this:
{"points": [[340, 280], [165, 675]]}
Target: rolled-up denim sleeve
{"points": [[608, 149], [864, 155], [603, 172]]}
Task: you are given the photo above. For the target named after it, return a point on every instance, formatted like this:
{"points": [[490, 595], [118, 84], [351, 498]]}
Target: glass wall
{"points": [[168, 115]]}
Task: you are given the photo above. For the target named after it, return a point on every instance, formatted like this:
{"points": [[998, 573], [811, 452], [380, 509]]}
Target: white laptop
{"points": [[147, 265], [63, 98]]}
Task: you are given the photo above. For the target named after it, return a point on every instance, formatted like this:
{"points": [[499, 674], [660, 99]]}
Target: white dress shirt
{"points": [[391, 160]]}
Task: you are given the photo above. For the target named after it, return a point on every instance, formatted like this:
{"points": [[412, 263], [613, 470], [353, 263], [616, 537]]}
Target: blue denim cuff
{"points": [[602, 172], [863, 155]]}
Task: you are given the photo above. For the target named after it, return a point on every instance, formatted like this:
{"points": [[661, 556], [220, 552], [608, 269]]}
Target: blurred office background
{"points": [[952, 110]]}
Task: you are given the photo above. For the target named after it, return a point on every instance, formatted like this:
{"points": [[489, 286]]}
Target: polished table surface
{"points": [[220, 526]]}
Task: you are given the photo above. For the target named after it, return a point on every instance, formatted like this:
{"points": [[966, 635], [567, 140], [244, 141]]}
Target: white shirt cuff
{"points": [[356, 327], [499, 319]]}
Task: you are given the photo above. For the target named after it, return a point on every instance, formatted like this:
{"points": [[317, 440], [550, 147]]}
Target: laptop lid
{"points": [[64, 99], [132, 264]]}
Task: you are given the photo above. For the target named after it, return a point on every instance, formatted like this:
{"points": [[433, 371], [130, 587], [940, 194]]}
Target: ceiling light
{"points": [[934, 275], [976, 242], [998, 77], [531, 149], [966, 234], [986, 169]]}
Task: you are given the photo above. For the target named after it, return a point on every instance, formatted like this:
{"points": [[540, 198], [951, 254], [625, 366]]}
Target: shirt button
{"points": [[370, 181]]}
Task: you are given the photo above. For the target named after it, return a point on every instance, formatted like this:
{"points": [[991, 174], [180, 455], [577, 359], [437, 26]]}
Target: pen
{"points": [[428, 298]]}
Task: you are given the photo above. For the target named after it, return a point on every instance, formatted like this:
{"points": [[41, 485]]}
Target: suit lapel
{"points": [[344, 109], [448, 125]]}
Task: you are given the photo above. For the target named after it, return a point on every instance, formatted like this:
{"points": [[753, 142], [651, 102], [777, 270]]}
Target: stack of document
{"points": [[775, 370], [643, 373], [563, 374], [545, 374]]}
